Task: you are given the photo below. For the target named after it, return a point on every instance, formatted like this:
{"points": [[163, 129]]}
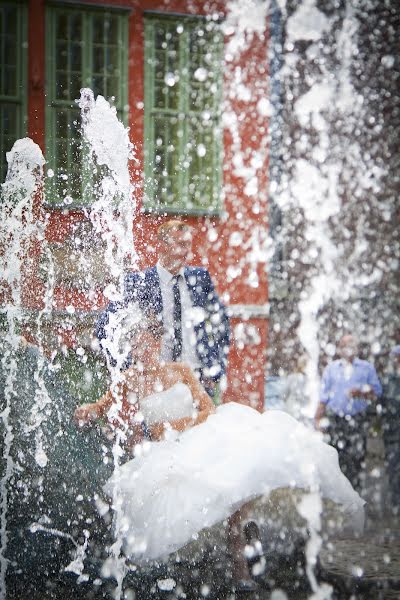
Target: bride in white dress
{"points": [[203, 465]]}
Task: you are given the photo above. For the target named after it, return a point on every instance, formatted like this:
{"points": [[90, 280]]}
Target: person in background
{"points": [[294, 390], [183, 297], [349, 384], [391, 428]]}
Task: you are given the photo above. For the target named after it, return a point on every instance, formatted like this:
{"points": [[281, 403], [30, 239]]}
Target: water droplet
{"points": [[264, 107], [170, 79], [166, 585], [201, 74]]}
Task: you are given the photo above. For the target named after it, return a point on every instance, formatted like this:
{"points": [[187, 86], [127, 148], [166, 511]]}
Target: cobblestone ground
{"points": [[366, 568]]}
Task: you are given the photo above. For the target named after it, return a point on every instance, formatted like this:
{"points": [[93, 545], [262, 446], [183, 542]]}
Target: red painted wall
{"points": [[245, 210]]}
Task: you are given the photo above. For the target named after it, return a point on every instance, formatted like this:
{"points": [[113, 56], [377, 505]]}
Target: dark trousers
{"points": [[391, 438], [348, 434]]}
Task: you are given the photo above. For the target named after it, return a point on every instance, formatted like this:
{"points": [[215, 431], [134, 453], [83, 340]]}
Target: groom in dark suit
{"points": [[196, 325]]}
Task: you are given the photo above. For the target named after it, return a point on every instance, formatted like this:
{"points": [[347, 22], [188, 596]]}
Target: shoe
{"points": [[254, 547], [245, 585], [251, 532]]}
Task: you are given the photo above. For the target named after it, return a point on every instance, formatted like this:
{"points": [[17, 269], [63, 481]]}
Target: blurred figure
{"points": [[195, 321], [348, 386], [294, 390], [47, 466], [391, 428]]}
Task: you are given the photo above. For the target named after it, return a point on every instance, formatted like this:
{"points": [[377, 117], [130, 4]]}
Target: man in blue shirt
{"points": [[348, 386]]}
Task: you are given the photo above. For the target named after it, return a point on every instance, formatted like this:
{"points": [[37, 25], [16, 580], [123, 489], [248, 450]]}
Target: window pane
{"points": [[98, 59], [69, 56], [111, 85], [202, 159], [12, 79], [167, 161], [75, 26], [76, 83], [62, 55], [10, 57], [98, 85], [9, 128], [62, 91], [9, 51], [111, 59], [111, 31], [67, 153], [62, 27], [76, 56], [98, 29]]}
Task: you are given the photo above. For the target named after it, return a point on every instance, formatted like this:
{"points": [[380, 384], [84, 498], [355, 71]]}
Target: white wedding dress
{"points": [[175, 488]]}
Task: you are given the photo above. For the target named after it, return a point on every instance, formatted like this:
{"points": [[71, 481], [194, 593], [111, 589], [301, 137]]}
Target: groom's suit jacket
{"points": [[212, 325]]}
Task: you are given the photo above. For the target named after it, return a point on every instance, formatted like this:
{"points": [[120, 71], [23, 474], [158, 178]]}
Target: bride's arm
{"points": [[89, 413], [200, 398]]}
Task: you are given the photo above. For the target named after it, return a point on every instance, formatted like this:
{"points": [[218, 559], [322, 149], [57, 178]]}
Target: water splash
{"points": [[310, 507], [107, 152], [108, 148], [112, 215], [316, 182], [320, 72], [20, 228]]}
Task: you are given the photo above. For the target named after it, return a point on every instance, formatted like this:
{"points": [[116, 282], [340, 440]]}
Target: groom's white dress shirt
{"points": [[189, 355]]}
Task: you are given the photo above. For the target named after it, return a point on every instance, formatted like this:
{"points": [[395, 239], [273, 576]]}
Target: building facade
{"points": [[192, 86]]}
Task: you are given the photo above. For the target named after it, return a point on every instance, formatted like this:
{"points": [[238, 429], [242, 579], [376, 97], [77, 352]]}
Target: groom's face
{"points": [[175, 250]]}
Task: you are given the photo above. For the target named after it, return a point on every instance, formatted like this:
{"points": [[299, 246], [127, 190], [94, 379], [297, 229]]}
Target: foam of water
{"points": [[19, 227], [112, 215], [313, 187], [108, 150]]}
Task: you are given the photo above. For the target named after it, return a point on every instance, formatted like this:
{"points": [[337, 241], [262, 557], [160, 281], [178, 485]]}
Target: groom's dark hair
{"points": [[172, 225]]}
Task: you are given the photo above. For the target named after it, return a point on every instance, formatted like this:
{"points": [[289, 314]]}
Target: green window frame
{"points": [[13, 77], [183, 60], [86, 47]]}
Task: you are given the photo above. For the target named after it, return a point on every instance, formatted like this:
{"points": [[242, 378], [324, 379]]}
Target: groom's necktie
{"points": [[177, 315]]}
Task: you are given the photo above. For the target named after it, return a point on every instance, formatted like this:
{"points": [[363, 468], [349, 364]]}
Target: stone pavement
{"points": [[364, 568], [368, 566]]}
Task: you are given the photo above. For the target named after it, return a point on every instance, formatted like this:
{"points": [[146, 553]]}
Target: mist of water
{"points": [[20, 228]]}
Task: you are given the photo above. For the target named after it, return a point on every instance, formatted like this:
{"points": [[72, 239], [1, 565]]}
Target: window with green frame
{"points": [[183, 96], [13, 46], [85, 48]]}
